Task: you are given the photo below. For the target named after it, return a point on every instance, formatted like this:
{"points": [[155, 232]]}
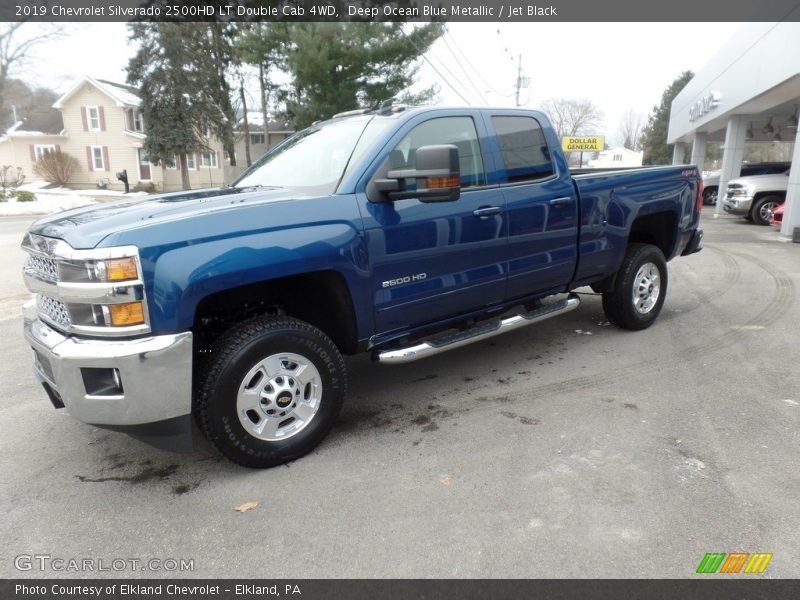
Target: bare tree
{"points": [[15, 49], [630, 129], [573, 117]]}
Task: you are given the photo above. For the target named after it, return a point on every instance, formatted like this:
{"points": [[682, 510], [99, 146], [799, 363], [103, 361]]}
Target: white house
{"points": [[617, 157]]}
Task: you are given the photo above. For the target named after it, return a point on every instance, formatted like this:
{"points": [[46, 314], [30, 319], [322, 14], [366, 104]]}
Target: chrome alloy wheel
{"points": [[766, 210], [279, 397], [646, 288]]}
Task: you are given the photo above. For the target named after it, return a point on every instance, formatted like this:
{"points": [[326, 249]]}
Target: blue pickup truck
{"points": [[403, 232]]}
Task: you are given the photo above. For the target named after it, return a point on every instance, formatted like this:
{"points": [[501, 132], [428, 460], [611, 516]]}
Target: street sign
{"points": [[588, 143]]}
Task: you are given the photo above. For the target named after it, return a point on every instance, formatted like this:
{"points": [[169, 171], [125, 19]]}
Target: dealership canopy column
{"points": [[747, 99]]}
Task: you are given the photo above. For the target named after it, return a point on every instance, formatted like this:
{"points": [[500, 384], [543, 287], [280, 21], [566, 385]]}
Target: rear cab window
{"points": [[524, 154]]}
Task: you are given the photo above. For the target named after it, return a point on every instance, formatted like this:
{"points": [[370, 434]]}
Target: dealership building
{"points": [[748, 92]]}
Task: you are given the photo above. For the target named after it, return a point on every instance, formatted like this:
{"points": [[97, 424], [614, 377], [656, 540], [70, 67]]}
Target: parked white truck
{"points": [[755, 198]]}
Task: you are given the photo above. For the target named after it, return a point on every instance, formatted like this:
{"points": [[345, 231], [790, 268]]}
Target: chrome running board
{"points": [[477, 333]]}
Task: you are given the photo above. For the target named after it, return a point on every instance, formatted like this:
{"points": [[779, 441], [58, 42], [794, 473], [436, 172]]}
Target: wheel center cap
{"points": [[284, 400]]}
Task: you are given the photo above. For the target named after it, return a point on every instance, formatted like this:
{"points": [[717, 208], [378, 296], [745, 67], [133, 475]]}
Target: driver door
{"points": [[435, 260]]}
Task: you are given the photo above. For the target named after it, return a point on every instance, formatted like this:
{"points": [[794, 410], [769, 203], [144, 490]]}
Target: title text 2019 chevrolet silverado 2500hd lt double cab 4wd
{"points": [[398, 232]]}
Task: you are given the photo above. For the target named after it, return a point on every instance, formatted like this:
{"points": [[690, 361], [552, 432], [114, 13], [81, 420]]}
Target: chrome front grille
{"points": [[42, 267], [55, 310]]}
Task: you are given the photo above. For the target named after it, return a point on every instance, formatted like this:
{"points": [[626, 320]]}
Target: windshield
{"points": [[312, 161]]}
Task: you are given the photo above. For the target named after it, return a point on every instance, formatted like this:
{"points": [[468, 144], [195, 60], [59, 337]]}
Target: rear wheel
{"points": [[710, 196], [639, 288], [763, 208], [272, 391]]}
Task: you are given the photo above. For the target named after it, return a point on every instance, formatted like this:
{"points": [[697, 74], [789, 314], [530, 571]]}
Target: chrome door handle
{"points": [[486, 211], [564, 200]]}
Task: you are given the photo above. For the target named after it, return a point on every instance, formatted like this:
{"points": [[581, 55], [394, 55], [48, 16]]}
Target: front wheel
{"points": [[272, 391], [639, 288], [763, 209]]}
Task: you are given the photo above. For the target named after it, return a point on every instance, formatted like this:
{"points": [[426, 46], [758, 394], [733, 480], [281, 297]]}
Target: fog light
{"points": [[126, 314], [102, 382]]}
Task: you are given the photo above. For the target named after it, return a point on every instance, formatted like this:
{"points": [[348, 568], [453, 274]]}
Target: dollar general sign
{"points": [[589, 143]]}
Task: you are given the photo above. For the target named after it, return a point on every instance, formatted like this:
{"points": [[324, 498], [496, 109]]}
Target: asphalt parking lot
{"points": [[568, 449]]}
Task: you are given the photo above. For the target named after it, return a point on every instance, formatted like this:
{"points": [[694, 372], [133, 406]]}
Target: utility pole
{"points": [[519, 78]]}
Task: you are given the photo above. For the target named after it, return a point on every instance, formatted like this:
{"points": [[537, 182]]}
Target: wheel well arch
{"points": [[321, 298], [758, 195], [658, 229]]}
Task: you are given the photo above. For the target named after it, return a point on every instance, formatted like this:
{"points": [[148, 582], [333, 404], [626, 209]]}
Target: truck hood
{"points": [[87, 226], [768, 183]]}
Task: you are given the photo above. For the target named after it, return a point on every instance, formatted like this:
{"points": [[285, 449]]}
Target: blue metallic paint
{"points": [[198, 243]]}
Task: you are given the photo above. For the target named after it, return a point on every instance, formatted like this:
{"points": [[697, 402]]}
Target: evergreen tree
{"points": [[654, 134], [337, 67], [180, 71]]}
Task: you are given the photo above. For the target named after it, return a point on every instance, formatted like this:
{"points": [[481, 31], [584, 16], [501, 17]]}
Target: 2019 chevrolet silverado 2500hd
{"points": [[400, 232]]}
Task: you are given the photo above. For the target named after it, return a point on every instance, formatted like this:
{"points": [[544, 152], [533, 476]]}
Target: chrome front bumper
{"points": [[738, 206], [155, 374]]}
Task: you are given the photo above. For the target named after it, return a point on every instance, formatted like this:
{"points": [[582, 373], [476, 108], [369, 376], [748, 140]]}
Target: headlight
{"points": [[99, 271], [97, 292]]}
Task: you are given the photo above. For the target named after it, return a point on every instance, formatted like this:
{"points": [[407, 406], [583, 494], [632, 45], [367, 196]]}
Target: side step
{"points": [[477, 333]]}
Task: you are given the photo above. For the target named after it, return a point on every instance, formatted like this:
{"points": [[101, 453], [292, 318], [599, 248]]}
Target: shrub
{"points": [[143, 186], [56, 167], [10, 178], [24, 196]]}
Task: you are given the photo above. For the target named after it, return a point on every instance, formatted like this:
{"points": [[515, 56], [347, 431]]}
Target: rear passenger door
{"points": [[541, 204]]}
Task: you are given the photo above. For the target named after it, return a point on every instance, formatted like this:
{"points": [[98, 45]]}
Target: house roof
{"points": [[255, 120], [123, 95], [43, 122]]}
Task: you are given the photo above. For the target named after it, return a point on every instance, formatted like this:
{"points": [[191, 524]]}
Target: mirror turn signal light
{"points": [[435, 183]]}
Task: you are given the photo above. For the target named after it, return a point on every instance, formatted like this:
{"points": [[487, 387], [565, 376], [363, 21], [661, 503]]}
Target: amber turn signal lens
{"points": [[126, 314], [121, 269], [435, 183]]}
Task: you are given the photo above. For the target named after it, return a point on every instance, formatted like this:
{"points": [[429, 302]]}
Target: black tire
{"points": [[618, 303], [234, 356], [710, 196], [762, 210]]}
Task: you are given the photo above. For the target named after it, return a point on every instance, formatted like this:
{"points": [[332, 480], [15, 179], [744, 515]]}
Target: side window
{"points": [[444, 130], [524, 150]]}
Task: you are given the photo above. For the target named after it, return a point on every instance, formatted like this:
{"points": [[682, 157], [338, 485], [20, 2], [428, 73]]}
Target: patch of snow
{"points": [[44, 204]]}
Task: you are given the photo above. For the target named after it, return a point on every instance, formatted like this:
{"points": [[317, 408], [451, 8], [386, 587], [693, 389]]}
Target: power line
{"points": [[425, 58], [454, 77], [458, 62], [476, 71]]}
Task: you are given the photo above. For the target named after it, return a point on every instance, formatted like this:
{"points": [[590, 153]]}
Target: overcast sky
{"points": [[616, 65]]}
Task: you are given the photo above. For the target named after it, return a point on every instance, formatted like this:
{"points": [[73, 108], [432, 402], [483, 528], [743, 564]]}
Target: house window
{"points": [[208, 159], [256, 138], [97, 159], [41, 149], [190, 162], [93, 118], [172, 164], [138, 124]]}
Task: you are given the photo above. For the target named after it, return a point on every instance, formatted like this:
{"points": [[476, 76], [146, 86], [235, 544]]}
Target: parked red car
{"points": [[777, 217]]}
